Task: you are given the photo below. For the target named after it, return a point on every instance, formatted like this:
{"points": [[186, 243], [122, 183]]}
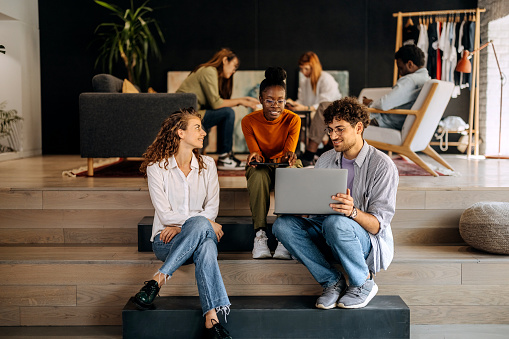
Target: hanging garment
{"points": [[423, 41], [443, 45], [439, 52], [459, 48], [453, 55], [410, 33], [432, 53]]}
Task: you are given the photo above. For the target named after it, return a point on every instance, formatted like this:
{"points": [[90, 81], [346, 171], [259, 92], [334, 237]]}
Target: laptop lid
{"points": [[308, 190]]}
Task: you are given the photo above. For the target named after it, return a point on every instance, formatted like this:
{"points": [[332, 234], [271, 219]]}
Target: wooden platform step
{"points": [[89, 285], [270, 317]]}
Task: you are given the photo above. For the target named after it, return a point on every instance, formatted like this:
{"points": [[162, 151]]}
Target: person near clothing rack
{"points": [[410, 62]]}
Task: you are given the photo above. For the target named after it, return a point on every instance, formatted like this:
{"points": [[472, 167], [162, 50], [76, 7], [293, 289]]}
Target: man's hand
{"points": [[168, 233], [291, 157], [366, 101], [218, 229], [345, 203], [255, 156]]}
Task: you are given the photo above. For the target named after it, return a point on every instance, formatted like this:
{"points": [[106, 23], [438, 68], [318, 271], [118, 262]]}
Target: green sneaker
{"points": [[147, 294]]}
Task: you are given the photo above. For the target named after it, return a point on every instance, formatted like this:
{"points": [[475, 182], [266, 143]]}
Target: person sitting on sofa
{"points": [[317, 89], [272, 134], [411, 68], [212, 82], [184, 190]]}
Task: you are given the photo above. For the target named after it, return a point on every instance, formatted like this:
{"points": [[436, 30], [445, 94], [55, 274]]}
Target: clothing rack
{"points": [[473, 114]]}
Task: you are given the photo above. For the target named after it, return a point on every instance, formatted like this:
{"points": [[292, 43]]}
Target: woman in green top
{"points": [[212, 82]]}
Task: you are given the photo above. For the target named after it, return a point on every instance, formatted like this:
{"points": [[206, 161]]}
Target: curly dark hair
{"points": [[410, 52], [348, 109], [167, 141]]}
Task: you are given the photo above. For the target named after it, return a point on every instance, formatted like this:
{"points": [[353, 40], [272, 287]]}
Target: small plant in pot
{"points": [[130, 39]]}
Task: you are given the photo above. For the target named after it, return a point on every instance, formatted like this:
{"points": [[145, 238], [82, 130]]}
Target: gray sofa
{"points": [[115, 124]]}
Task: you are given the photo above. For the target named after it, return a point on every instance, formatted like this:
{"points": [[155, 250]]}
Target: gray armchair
{"points": [[114, 124]]}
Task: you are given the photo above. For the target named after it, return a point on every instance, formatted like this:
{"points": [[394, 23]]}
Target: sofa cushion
{"points": [[128, 87], [106, 83]]}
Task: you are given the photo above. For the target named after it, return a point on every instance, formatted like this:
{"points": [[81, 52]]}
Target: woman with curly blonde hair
{"points": [[184, 190]]}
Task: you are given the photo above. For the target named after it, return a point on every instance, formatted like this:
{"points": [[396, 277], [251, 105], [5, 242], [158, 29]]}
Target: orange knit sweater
{"points": [[274, 138]]}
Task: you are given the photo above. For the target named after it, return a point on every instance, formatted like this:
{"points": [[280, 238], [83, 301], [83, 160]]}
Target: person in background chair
{"points": [[317, 89], [360, 238], [212, 82], [411, 68], [272, 135], [184, 190]]}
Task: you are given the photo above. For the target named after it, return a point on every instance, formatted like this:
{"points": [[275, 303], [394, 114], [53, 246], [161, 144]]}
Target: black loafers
{"points": [[217, 332], [147, 294]]}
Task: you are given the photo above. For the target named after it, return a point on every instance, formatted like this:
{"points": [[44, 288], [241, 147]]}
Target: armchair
{"points": [[420, 124]]}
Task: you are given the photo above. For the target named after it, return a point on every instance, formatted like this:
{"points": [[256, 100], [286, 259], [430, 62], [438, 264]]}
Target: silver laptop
{"points": [[308, 190]]}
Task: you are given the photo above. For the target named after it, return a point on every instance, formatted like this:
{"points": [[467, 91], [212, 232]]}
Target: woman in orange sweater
{"points": [[272, 135]]}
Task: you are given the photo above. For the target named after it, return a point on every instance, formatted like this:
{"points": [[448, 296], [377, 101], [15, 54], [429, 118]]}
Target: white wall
{"points": [[20, 72], [497, 31]]}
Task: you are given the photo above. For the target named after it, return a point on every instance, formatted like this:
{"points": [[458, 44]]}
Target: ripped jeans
{"points": [[196, 243]]}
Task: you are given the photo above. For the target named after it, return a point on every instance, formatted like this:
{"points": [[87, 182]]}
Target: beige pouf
{"points": [[485, 226]]}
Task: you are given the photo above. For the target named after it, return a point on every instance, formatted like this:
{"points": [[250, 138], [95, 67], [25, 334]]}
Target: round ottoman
{"points": [[485, 226]]}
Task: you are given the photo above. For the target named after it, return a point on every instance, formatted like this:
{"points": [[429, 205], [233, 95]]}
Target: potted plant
{"points": [[130, 38], [8, 118]]}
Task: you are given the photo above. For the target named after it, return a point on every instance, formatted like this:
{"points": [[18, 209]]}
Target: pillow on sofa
{"points": [[106, 83], [128, 87]]}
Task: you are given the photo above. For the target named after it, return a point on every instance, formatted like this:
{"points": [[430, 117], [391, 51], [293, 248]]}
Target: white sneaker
{"points": [[227, 161], [260, 248], [282, 252]]}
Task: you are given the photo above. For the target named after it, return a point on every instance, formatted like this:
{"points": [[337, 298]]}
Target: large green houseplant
{"points": [[130, 39]]}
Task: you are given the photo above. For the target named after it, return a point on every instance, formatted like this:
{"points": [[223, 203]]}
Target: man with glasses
{"points": [[361, 237]]}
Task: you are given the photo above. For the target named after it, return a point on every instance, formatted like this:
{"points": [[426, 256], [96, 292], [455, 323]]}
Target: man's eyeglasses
{"points": [[271, 102], [338, 130]]}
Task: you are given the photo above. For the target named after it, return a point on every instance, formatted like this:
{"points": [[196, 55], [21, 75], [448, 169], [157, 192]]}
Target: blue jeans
{"points": [[224, 119], [196, 243], [315, 242]]}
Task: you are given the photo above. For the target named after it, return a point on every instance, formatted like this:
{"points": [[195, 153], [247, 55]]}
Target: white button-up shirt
{"points": [[176, 197]]}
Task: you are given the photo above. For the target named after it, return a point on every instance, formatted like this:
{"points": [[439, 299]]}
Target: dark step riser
{"points": [[284, 317], [237, 237]]}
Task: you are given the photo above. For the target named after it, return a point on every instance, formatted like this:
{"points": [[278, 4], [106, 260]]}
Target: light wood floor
{"points": [[46, 172]]}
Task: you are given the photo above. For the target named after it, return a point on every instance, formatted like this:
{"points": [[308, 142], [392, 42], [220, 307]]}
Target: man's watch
{"points": [[353, 215]]}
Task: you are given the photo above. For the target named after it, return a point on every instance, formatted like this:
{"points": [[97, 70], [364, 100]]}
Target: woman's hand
{"points": [[291, 157], [249, 102], [298, 107], [218, 229], [255, 156], [168, 233]]}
